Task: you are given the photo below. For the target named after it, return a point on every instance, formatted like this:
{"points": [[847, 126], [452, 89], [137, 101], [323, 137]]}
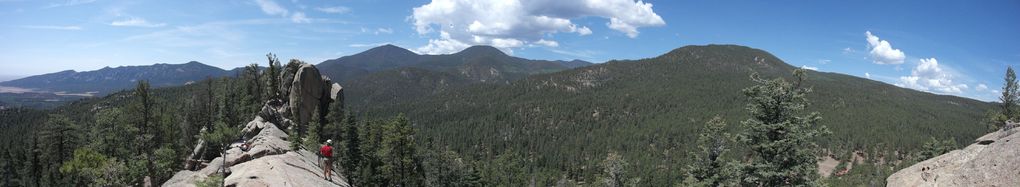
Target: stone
{"points": [[295, 168], [305, 93], [269, 160], [993, 164], [336, 92]]}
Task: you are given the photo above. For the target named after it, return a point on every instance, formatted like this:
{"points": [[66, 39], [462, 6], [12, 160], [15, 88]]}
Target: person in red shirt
{"points": [[327, 153]]}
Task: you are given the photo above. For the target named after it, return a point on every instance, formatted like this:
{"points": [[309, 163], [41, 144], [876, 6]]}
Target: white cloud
{"points": [[981, 87], [929, 76], [514, 23], [867, 75], [299, 17], [334, 10], [824, 61], [270, 7], [442, 45], [848, 50], [52, 27], [809, 67], [136, 22], [384, 30], [547, 43], [882, 52]]}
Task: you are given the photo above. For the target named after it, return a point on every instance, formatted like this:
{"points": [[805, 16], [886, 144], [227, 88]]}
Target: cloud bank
{"points": [[929, 76], [507, 24]]}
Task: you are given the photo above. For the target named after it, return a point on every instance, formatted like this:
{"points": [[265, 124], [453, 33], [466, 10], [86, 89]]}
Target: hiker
{"points": [[327, 153]]}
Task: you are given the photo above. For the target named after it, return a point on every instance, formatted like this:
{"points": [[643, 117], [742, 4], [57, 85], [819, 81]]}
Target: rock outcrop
{"points": [[306, 93], [268, 160], [993, 160]]}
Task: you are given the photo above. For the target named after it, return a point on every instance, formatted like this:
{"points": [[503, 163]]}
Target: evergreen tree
{"points": [[1010, 96], [311, 141], [350, 145], [252, 99], [58, 141], [780, 142], [272, 77], [934, 148], [397, 153], [707, 167], [143, 108], [230, 111], [614, 172], [6, 169]]}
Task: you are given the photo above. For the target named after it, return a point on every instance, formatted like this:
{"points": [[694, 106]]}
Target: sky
{"points": [[945, 47]]}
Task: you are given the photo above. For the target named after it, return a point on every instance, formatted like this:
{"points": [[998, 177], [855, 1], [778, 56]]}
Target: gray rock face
{"points": [[295, 168], [306, 93], [269, 160], [993, 160]]}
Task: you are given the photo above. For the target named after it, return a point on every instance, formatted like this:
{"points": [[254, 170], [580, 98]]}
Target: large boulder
{"points": [[306, 93], [991, 161]]}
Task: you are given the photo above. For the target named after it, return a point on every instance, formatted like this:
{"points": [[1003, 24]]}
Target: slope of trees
{"points": [[554, 127], [620, 123]]}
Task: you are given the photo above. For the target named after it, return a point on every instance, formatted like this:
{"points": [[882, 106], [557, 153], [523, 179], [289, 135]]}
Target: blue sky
{"points": [[946, 47]]}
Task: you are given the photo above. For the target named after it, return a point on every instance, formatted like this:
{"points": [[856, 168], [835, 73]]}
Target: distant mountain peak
{"points": [[481, 50], [728, 54], [388, 49]]}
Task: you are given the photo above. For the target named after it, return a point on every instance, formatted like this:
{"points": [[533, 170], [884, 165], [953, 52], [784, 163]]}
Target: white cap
{"points": [[329, 141]]}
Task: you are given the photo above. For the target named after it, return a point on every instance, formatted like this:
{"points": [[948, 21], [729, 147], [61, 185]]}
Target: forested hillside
{"points": [[476, 63], [640, 118], [559, 126]]}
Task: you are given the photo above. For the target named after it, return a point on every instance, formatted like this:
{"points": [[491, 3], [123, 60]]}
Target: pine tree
{"points": [[143, 108], [397, 153], [252, 98], [614, 172], [272, 77], [1010, 96], [782, 150], [58, 141], [707, 167], [350, 145], [312, 138]]}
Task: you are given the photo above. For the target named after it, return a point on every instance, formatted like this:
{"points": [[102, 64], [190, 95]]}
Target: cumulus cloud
{"points": [[809, 67], [136, 22], [271, 8], [929, 76], [867, 75], [514, 23], [882, 52], [334, 10]]}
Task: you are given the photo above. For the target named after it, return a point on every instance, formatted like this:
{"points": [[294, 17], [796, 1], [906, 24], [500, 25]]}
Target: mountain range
{"points": [[474, 64], [521, 121], [649, 110], [106, 80]]}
